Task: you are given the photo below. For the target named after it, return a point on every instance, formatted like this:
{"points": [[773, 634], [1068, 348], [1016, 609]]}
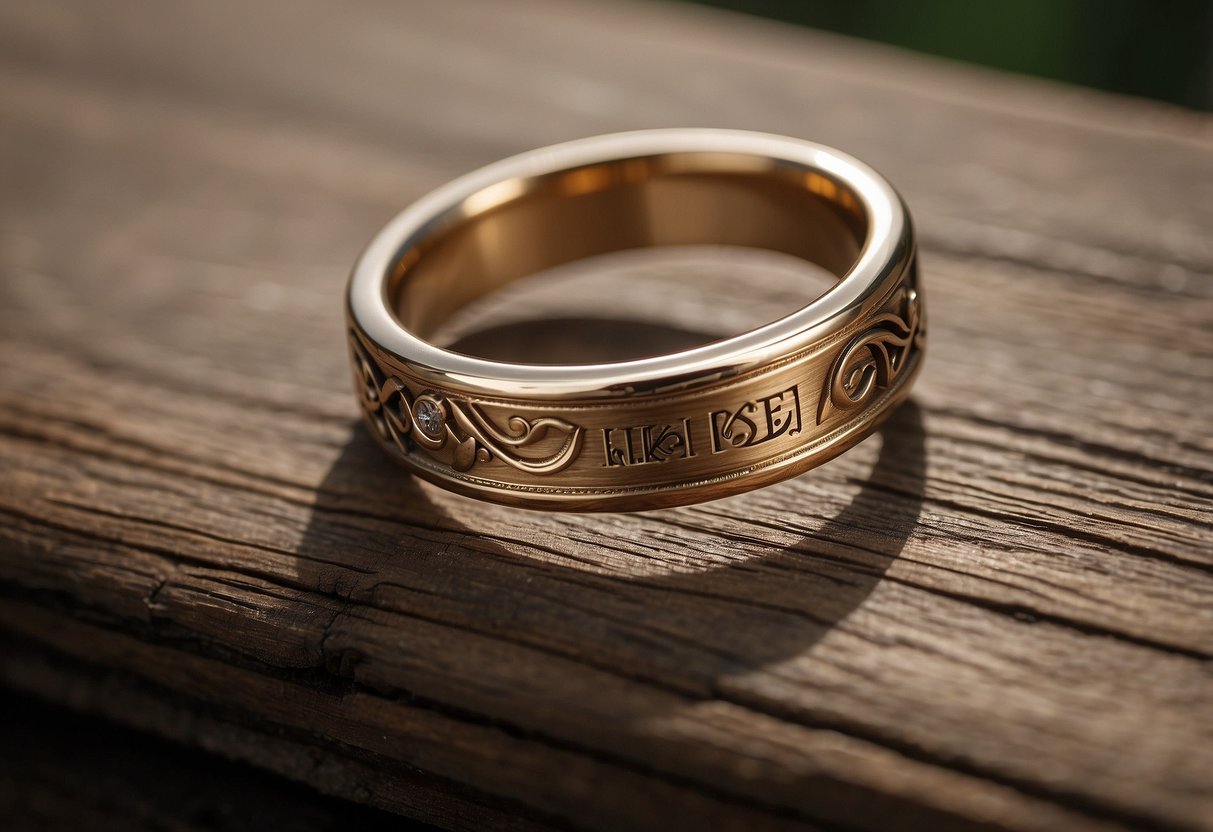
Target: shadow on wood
{"points": [[732, 603]]}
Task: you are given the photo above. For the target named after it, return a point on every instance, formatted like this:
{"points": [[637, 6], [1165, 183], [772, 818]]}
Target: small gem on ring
{"points": [[429, 416]]}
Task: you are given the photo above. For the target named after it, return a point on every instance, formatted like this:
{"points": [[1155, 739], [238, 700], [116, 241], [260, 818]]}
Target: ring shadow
{"points": [[685, 598]]}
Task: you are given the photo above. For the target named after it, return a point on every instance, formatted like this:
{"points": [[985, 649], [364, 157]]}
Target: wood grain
{"points": [[996, 614], [61, 770]]}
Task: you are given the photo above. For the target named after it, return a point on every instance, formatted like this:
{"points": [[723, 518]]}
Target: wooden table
{"points": [[999, 613]]}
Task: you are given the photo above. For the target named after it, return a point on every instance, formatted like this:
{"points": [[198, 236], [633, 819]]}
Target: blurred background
{"points": [[1157, 49]]}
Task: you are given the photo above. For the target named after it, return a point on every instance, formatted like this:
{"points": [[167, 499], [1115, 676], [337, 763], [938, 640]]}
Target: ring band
{"points": [[668, 430]]}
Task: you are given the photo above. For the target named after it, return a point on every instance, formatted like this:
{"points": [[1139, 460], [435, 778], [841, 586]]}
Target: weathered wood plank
{"points": [[1000, 612], [64, 771]]}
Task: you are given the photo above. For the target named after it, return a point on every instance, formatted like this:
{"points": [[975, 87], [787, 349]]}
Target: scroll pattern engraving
{"points": [[874, 359], [431, 422]]}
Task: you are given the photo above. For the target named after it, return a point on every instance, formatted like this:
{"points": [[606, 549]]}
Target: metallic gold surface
{"points": [[673, 429]]}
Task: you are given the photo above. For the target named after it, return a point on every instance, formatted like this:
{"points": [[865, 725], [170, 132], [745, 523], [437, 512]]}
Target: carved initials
{"points": [[757, 421], [643, 444]]}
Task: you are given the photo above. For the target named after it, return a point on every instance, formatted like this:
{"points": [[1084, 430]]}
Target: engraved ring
{"points": [[665, 430]]}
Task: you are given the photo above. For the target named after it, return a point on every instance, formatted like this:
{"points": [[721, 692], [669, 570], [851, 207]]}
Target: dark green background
{"points": [[1161, 49]]}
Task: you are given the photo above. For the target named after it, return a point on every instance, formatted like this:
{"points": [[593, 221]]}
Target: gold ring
{"points": [[667, 430]]}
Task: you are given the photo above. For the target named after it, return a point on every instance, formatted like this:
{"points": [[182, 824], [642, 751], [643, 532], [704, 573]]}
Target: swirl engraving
{"points": [[874, 359], [432, 422]]}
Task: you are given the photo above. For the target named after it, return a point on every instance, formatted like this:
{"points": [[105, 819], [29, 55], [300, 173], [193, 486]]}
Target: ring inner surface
{"points": [[524, 226]]}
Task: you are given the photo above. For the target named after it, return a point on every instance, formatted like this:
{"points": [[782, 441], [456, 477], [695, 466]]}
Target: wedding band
{"points": [[667, 430]]}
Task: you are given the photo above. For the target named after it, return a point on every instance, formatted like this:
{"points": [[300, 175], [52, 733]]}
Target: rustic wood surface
{"points": [[61, 770], [999, 613]]}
